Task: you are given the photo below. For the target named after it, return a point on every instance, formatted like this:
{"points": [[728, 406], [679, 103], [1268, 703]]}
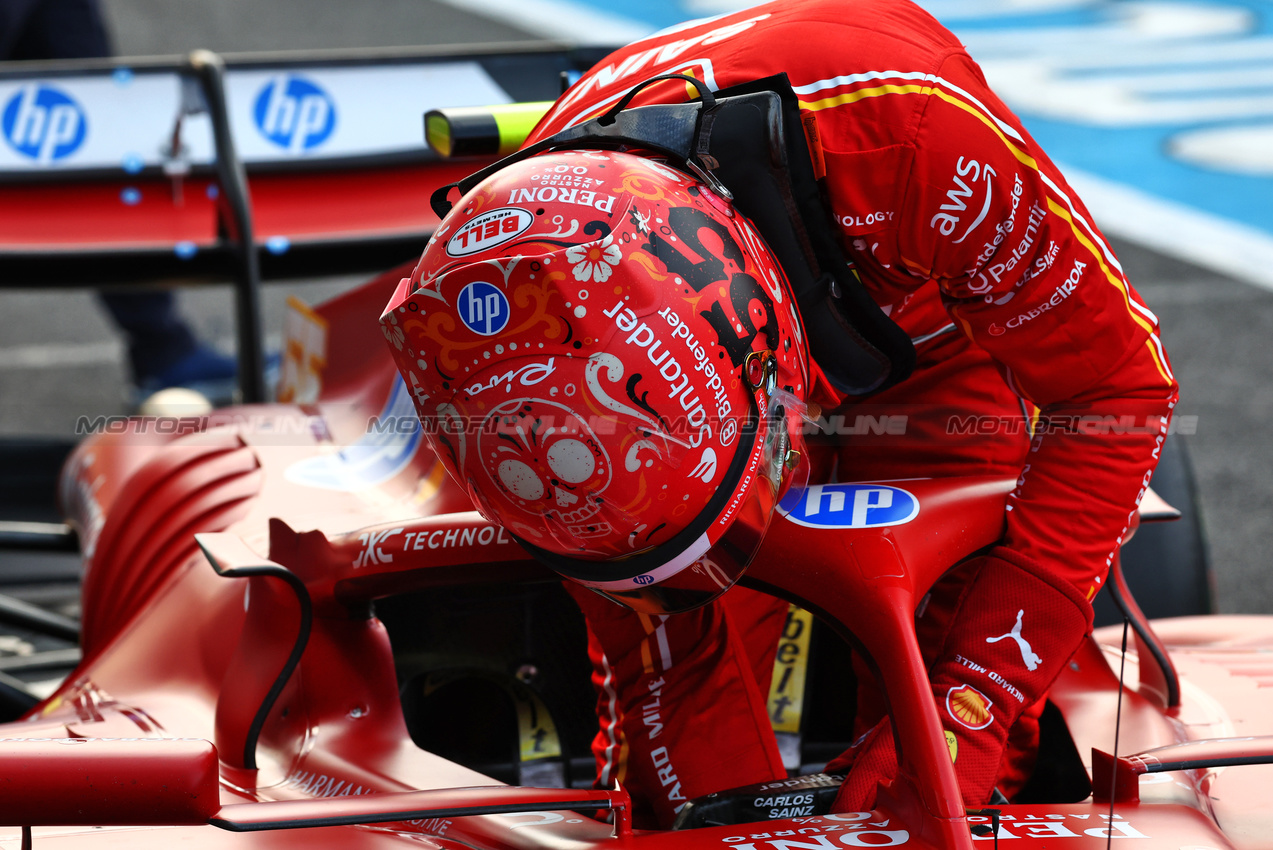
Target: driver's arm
{"points": [[1051, 305], [1027, 277]]}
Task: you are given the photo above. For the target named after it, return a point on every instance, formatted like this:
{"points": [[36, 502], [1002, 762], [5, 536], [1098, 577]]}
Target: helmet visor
{"points": [[690, 571]]}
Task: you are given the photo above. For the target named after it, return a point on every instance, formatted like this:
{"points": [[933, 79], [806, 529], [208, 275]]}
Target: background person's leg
{"points": [[162, 350], [52, 29], [157, 335]]}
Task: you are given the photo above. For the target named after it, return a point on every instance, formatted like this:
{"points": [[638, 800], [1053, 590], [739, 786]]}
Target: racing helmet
{"points": [[607, 357]]}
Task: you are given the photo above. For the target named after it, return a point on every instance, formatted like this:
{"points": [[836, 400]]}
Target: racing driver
{"points": [[609, 357]]}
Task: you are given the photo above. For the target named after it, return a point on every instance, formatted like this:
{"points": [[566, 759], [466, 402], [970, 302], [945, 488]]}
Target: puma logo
{"points": [[1031, 660]]}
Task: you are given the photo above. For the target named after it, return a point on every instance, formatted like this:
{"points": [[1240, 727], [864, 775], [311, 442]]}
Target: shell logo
{"points": [[969, 707]]}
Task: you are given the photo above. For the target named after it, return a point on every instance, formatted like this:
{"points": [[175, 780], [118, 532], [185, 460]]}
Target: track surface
{"points": [[60, 359]]}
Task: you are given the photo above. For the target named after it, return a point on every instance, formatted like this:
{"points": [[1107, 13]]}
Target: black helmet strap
{"points": [[747, 144]]}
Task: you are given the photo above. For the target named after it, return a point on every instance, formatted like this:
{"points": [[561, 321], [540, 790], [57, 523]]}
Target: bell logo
{"points": [[483, 308], [44, 123], [489, 230], [294, 113], [969, 707]]}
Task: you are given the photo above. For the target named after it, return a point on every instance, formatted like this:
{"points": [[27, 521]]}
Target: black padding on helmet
{"points": [[757, 141], [748, 142]]}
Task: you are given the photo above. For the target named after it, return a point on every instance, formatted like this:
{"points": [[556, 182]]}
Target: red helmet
{"points": [[607, 358]]}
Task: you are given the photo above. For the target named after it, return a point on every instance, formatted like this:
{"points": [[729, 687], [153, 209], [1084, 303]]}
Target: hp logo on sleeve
{"points": [[294, 113], [44, 123], [483, 308], [849, 506]]}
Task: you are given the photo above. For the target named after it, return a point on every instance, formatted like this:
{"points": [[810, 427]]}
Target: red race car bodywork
{"points": [[267, 587], [256, 659]]}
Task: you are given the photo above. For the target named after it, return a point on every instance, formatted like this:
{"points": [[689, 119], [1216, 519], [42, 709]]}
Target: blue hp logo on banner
{"points": [[849, 506], [44, 123], [381, 453], [294, 113], [483, 308]]}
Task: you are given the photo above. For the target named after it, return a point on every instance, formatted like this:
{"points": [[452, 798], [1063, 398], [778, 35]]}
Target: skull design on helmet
{"points": [[546, 458]]}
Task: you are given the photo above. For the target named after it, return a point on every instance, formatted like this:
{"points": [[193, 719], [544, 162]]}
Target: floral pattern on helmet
{"points": [[595, 260]]}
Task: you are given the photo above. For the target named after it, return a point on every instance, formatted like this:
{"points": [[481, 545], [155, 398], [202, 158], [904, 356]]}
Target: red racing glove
{"points": [[1014, 629]]}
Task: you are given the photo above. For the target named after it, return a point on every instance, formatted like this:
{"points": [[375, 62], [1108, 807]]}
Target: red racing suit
{"points": [[1034, 353]]}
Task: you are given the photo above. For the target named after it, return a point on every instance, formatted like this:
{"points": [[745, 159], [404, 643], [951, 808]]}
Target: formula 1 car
{"points": [[293, 620]]}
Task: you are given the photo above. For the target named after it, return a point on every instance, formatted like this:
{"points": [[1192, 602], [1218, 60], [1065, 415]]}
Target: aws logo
{"points": [[294, 113], [44, 123], [849, 506], [954, 210]]}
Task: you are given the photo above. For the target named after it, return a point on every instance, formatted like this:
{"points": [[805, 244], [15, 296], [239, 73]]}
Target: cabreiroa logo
{"points": [[488, 230]]}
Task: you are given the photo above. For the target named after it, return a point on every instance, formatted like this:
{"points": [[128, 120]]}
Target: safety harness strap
{"points": [[747, 143], [764, 160]]}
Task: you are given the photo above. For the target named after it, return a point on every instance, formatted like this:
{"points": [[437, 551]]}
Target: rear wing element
{"points": [[155, 170], [124, 154]]}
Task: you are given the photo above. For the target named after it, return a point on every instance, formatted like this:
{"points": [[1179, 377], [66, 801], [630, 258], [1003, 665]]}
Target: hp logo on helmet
{"points": [[294, 113], [44, 123], [483, 308]]}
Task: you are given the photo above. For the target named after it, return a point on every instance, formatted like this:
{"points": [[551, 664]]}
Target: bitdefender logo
{"points": [[294, 113], [44, 123]]}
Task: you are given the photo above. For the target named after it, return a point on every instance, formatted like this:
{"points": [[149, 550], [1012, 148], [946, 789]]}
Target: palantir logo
{"points": [[849, 506], [294, 113], [483, 308], [44, 123]]}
